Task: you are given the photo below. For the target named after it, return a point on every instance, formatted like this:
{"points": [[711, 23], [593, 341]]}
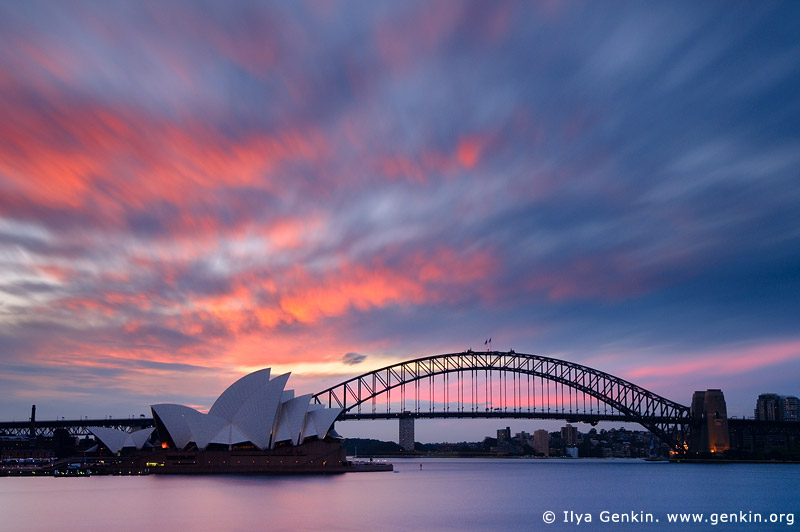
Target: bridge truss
{"points": [[494, 384], [75, 427]]}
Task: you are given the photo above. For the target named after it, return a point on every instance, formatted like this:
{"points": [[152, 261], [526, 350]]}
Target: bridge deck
{"points": [[76, 427], [578, 418]]}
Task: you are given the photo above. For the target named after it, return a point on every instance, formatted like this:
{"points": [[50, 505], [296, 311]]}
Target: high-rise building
{"points": [[570, 435], [541, 442], [768, 407], [522, 435], [791, 408], [503, 434], [406, 439], [774, 407], [524, 438]]}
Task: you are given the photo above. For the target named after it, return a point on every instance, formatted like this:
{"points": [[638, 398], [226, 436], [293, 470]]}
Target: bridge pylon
{"points": [[709, 423]]}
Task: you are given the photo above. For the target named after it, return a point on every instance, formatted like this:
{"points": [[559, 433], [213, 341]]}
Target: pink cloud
{"points": [[469, 152], [733, 361], [129, 315], [93, 157]]}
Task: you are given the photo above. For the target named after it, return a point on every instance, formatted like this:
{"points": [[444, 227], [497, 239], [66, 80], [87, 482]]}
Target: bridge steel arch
{"points": [[666, 419]]}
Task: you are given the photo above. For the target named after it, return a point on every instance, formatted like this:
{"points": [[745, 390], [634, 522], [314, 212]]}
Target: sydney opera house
{"points": [[255, 426]]}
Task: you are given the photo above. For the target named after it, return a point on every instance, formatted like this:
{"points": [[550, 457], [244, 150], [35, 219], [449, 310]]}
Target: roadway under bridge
{"points": [[75, 427]]}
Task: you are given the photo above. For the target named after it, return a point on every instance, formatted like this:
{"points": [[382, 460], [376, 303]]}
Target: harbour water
{"points": [[421, 495]]}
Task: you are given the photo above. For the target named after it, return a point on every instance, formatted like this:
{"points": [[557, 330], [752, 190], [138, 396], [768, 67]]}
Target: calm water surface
{"points": [[446, 494]]}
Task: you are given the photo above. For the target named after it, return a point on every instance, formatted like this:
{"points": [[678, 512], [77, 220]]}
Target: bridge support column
{"points": [[709, 428], [406, 439]]}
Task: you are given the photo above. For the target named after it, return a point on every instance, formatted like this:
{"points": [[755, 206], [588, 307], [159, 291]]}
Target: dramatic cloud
{"points": [[194, 190]]}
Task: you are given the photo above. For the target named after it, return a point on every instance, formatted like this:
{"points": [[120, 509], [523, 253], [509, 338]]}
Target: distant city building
{"points": [[791, 408], [767, 406], [503, 434], [541, 442], [524, 438], [774, 407], [572, 452], [407, 433], [570, 435]]}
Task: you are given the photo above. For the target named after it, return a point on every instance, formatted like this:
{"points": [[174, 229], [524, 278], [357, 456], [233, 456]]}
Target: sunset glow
{"points": [[190, 192]]}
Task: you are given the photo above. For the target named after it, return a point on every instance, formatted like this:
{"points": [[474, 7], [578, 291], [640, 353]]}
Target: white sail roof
{"points": [[323, 420], [254, 409], [237, 393], [257, 416], [309, 427], [140, 437], [229, 435], [116, 440], [174, 418], [292, 419]]}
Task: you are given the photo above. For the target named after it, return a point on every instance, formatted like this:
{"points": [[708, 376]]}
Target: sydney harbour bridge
{"points": [[494, 384], [488, 384]]}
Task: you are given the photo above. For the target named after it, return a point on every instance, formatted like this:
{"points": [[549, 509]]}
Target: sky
{"points": [[190, 191]]}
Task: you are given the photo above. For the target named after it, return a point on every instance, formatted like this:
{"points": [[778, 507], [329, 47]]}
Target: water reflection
{"points": [[445, 494]]}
